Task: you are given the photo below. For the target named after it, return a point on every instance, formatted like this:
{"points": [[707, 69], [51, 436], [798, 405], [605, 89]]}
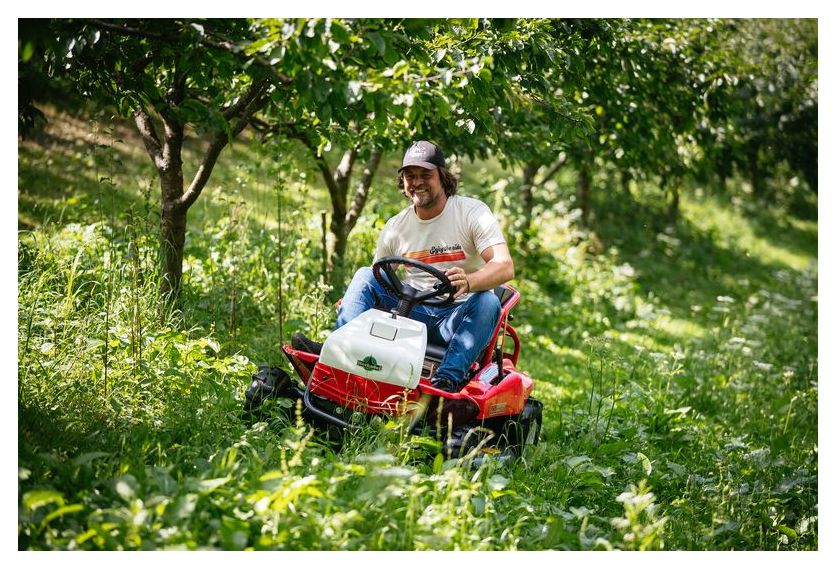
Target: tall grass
{"points": [[677, 365]]}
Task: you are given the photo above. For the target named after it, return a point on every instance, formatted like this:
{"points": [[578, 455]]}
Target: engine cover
{"points": [[378, 347]]}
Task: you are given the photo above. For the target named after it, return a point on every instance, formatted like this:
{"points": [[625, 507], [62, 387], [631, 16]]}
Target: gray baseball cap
{"points": [[423, 154]]}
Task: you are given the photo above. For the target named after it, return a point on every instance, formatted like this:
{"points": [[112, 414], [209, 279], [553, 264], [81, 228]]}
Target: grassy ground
{"points": [[677, 365]]}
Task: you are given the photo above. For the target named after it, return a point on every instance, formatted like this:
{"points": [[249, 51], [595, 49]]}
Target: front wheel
{"points": [[268, 382], [525, 429]]}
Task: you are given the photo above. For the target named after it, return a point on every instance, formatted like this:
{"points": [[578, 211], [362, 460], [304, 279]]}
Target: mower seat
{"points": [[436, 352]]}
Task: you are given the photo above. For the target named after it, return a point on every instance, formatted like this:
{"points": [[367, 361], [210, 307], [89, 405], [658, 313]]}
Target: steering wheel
{"points": [[407, 293]]}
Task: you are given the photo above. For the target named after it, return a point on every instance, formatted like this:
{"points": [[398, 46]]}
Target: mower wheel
{"points": [[463, 439], [525, 429], [268, 382]]}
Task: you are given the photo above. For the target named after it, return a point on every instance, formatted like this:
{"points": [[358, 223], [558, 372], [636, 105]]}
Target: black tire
{"points": [[268, 382], [525, 429], [463, 439]]}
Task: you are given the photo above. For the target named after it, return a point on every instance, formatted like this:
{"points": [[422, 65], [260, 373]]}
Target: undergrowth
{"points": [[677, 364]]}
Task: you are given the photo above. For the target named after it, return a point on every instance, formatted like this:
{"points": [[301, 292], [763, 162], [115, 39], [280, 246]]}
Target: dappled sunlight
{"points": [[565, 352], [681, 329], [739, 229]]}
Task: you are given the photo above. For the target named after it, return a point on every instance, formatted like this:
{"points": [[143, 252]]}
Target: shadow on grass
{"points": [[685, 266]]}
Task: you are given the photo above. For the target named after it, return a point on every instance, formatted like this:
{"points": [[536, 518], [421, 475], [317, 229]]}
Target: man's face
{"points": [[422, 186]]}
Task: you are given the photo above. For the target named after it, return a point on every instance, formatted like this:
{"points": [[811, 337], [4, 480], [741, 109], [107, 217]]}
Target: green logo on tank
{"points": [[369, 363]]}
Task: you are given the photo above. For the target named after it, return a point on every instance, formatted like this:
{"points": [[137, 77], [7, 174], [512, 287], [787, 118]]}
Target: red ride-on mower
{"points": [[380, 364]]}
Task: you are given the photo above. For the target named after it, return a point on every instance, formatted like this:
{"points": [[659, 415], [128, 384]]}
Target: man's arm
{"points": [[498, 269]]}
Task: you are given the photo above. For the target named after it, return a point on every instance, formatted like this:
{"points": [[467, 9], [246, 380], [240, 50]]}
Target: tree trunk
{"points": [[173, 239], [584, 193], [527, 197], [674, 203], [343, 216], [626, 184], [756, 181], [172, 214], [338, 191], [724, 168], [166, 154]]}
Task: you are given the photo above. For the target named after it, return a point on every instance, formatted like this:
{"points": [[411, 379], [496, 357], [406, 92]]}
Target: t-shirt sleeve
{"points": [[384, 246], [484, 228]]}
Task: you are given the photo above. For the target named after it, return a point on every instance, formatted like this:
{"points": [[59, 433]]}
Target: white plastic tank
{"points": [[378, 347]]}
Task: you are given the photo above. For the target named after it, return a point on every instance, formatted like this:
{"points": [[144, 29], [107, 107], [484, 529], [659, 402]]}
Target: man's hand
{"points": [[459, 279], [498, 269]]}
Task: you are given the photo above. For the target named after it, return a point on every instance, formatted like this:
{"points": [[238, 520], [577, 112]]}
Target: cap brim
{"points": [[424, 164]]}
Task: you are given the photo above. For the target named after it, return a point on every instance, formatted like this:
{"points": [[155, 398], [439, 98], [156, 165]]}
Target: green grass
{"points": [[677, 365]]}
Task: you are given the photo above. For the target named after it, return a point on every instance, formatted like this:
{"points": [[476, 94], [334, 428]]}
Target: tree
{"points": [[365, 87], [762, 107], [172, 76], [637, 87]]}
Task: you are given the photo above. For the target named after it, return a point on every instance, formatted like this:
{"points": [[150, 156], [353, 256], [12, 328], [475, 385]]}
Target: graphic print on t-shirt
{"points": [[434, 254]]}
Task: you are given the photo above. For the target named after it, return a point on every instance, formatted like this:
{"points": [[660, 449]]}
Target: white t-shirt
{"points": [[454, 238]]}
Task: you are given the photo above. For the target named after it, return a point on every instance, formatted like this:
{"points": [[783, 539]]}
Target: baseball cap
{"points": [[423, 154]]}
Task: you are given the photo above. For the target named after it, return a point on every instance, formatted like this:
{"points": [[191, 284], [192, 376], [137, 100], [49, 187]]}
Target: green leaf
{"points": [[28, 51], [34, 499], [610, 448], [646, 463], [63, 510], [573, 462], [126, 486], [680, 411], [790, 532], [497, 482], [93, 344], [437, 463], [325, 113], [589, 479], [379, 42], [478, 503], [185, 506], [400, 68], [85, 458], [210, 484]]}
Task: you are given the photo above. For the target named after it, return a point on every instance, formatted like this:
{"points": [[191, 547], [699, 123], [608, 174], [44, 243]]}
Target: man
{"points": [[457, 235]]}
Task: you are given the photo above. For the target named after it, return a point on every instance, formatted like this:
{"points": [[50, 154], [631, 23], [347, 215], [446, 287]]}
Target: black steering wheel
{"points": [[407, 295]]}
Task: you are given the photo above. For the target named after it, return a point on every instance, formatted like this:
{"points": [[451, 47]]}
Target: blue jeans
{"points": [[464, 327]]}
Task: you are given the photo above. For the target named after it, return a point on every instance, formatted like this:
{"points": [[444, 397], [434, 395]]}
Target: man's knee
{"points": [[488, 300], [488, 303], [364, 274], [361, 280]]}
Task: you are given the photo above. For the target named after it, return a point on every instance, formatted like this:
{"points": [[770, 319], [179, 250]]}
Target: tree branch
{"points": [[149, 136], [291, 130], [239, 107], [343, 171], [253, 100], [125, 30], [223, 44], [550, 173]]}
